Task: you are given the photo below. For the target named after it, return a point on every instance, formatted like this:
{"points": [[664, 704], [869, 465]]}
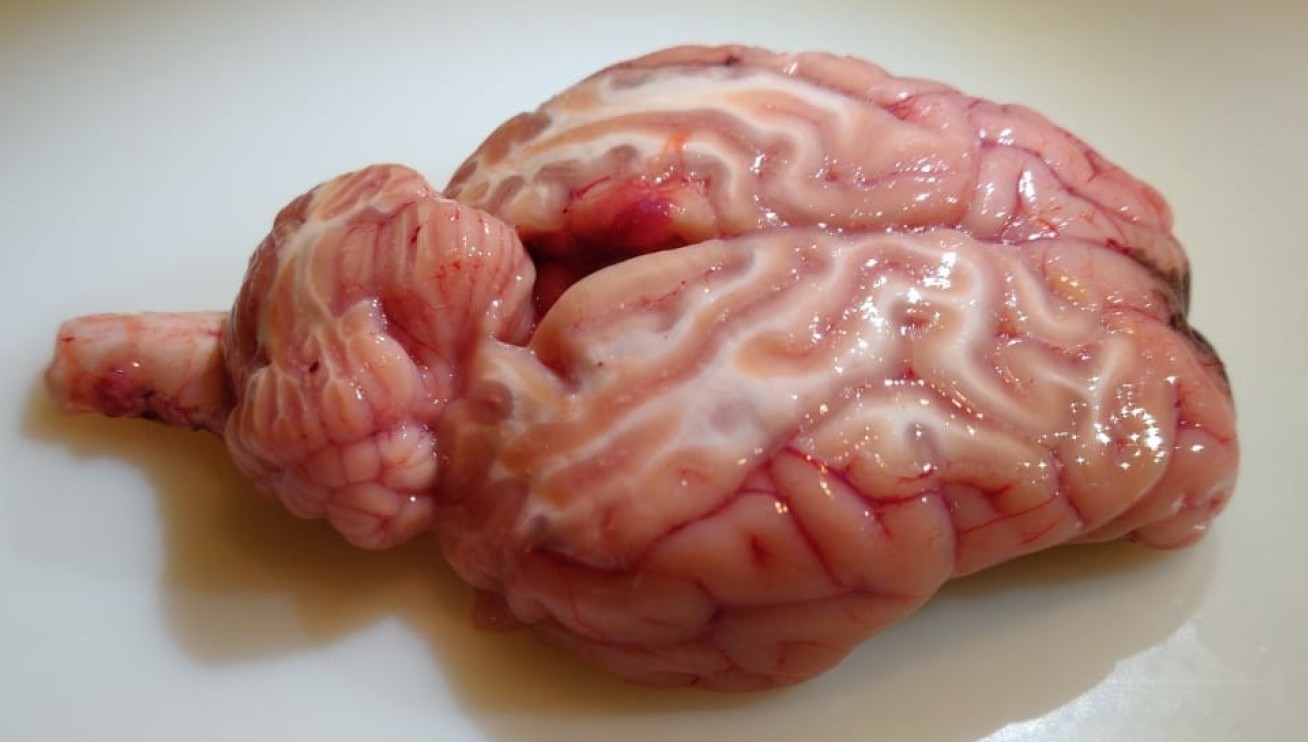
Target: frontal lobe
{"points": [[348, 338]]}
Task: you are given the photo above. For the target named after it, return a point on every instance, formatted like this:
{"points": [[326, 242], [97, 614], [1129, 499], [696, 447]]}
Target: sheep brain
{"points": [[715, 364]]}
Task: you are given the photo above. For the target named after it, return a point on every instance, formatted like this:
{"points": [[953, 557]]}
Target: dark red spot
{"points": [[643, 224], [115, 395]]}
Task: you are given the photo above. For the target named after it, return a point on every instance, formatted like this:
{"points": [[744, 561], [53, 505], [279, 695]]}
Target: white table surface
{"points": [[147, 594]]}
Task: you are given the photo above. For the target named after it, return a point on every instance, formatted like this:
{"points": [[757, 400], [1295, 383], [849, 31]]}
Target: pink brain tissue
{"points": [[715, 364]]}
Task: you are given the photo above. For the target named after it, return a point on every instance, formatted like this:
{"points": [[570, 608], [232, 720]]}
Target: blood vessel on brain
{"points": [[775, 345]]}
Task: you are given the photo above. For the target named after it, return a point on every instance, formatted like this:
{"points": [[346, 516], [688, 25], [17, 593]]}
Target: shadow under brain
{"points": [[244, 580]]}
